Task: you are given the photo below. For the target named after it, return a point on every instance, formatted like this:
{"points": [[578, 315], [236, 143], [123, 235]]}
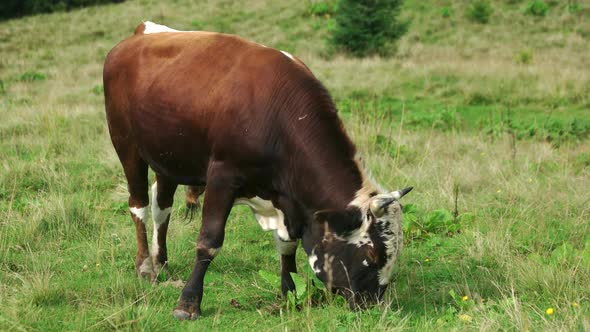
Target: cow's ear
{"points": [[340, 221]]}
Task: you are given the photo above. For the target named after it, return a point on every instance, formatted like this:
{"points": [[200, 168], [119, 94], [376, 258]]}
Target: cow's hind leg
{"points": [[219, 198], [162, 198], [136, 172], [287, 251]]}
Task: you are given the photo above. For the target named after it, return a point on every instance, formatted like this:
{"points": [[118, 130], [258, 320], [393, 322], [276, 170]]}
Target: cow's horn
{"points": [[378, 205], [401, 193]]}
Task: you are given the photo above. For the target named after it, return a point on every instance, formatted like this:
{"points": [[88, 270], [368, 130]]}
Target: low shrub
{"points": [[17, 8], [524, 57], [367, 27], [480, 11], [31, 76], [536, 8], [446, 12], [321, 8]]}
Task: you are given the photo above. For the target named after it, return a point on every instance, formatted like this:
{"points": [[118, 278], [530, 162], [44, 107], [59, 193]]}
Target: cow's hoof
{"points": [[148, 276], [184, 315], [146, 270], [186, 310]]}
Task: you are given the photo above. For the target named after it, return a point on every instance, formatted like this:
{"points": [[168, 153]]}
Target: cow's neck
{"points": [[331, 177], [321, 168]]}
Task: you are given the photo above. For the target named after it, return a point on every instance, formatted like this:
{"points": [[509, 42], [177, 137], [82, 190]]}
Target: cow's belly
{"points": [[186, 172], [175, 150], [268, 217]]}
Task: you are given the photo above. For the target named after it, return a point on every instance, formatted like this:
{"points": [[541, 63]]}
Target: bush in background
{"points": [[17, 8], [366, 27], [536, 8], [479, 11], [446, 12], [321, 8]]}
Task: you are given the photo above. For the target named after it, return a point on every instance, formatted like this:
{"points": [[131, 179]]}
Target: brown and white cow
{"points": [[246, 124]]}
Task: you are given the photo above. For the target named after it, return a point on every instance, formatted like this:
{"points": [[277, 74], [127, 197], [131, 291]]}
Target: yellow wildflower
{"points": [[549, 311], [575, 304], [465, 298], [427, 260]]}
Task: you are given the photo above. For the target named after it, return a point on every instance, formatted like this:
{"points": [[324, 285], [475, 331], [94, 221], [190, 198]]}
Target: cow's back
{"points": [[184, 97]]}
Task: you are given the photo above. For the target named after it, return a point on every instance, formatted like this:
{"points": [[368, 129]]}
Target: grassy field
{"points": [[491, 120]]}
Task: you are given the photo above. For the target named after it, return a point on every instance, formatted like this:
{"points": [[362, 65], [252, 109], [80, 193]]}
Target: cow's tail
{"points": [[192, 201]]}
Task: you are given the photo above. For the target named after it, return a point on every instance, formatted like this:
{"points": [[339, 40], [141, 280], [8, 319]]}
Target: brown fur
{"points": [[241, 119]]}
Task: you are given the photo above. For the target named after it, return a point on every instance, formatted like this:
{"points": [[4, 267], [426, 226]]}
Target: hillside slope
{"points": [[490, 122]]}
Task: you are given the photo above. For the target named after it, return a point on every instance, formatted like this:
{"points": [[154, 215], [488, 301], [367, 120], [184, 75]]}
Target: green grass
{"points": [[450, 113]]}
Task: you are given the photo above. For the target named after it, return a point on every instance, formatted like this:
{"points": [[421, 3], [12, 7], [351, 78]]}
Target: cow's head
{"points": [[353, 251]]}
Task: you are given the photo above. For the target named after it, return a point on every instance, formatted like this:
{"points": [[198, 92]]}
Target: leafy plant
{"points": [[582, 161], [98, 89], [306, 289], [321, 8], [445, 120], [440, 221], [524, 57], [463, 303], [479, 11], [421, 224], [446, 12], [536, 8], [197, 24], [574, 7], [367, 27], [410, 219], [272, 279], [297, 298], [30, 76]]}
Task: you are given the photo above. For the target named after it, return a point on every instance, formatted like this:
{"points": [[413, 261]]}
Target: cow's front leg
{"points": [[287, 251], [219, 198]]}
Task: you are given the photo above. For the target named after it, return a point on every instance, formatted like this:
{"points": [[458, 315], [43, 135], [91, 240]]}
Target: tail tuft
{"points": [[140, 29]]}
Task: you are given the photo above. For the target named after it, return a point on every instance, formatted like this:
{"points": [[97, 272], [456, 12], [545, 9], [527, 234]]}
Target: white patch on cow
{"points": [[284, 247], [365, 263], [268, 217], [288, 55], [140, 213], [151, 27], [397, 194], [313, 258], [360, 236], [159, 216], [389, 224], [362, 200], [392, 234]]}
